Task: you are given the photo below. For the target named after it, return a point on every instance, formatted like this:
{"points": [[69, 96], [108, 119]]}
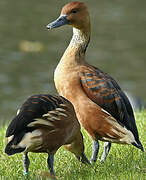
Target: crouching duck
{"points": [[42, 125], [101, 106]]}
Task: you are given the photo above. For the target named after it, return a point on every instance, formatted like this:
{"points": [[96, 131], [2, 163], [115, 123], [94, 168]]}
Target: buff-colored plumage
{"points": [[101, 106]]}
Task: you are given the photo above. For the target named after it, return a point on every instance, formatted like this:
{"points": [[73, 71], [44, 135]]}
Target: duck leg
{"points": [[26, 163], [95, 149], [84, 159], [50, 161], [107, 146]]}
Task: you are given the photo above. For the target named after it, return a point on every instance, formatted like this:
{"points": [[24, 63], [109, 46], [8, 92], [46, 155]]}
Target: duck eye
{"points": [[74, 11]]}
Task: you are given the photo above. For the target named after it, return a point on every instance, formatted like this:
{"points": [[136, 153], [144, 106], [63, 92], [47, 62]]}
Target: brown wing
{"points": [[34, 107], [104, 91]]}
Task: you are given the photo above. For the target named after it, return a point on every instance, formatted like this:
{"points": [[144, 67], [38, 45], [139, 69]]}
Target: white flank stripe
{"points": [[61, 109], [105, 111], [62, 114], [40, 121]]}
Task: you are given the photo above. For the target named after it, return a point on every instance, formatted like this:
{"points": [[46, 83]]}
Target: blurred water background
{"points": [[29, 53]]}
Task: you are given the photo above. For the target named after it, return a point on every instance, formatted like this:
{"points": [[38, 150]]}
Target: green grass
{"points": [[123, 162]]}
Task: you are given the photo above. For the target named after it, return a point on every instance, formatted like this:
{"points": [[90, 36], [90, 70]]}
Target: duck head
{"points": [[77, 148], [74, 14]]}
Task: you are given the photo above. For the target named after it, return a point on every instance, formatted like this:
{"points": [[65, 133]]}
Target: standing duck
{"points": [[43, 124], [101, 106]]}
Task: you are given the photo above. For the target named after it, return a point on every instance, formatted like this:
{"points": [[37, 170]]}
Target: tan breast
{"points": [[68, 85], [98, 123]]}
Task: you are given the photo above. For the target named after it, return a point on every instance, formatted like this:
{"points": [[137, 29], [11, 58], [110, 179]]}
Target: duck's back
{"points": [[43, 124]]}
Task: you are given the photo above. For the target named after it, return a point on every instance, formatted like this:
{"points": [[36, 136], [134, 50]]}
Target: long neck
{"points": [[77, 47], [79, 40]]}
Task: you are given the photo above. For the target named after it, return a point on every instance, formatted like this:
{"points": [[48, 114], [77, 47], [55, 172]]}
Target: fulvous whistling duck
{"points": [[43, 124], [101, 106]]}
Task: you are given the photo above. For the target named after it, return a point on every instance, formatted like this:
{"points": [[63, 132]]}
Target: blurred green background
{"points": [[29, 53]]}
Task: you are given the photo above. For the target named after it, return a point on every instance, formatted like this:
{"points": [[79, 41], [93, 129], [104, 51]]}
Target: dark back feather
{"points": [[34, 107], [105, 92]]}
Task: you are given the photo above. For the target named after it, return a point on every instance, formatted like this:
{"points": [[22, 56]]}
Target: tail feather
{"points": [[125, 136], [139, 146], [9, 150]]}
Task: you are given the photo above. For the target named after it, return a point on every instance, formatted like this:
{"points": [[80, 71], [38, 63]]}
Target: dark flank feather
{"points": [[102, 89], [33, 107]]}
